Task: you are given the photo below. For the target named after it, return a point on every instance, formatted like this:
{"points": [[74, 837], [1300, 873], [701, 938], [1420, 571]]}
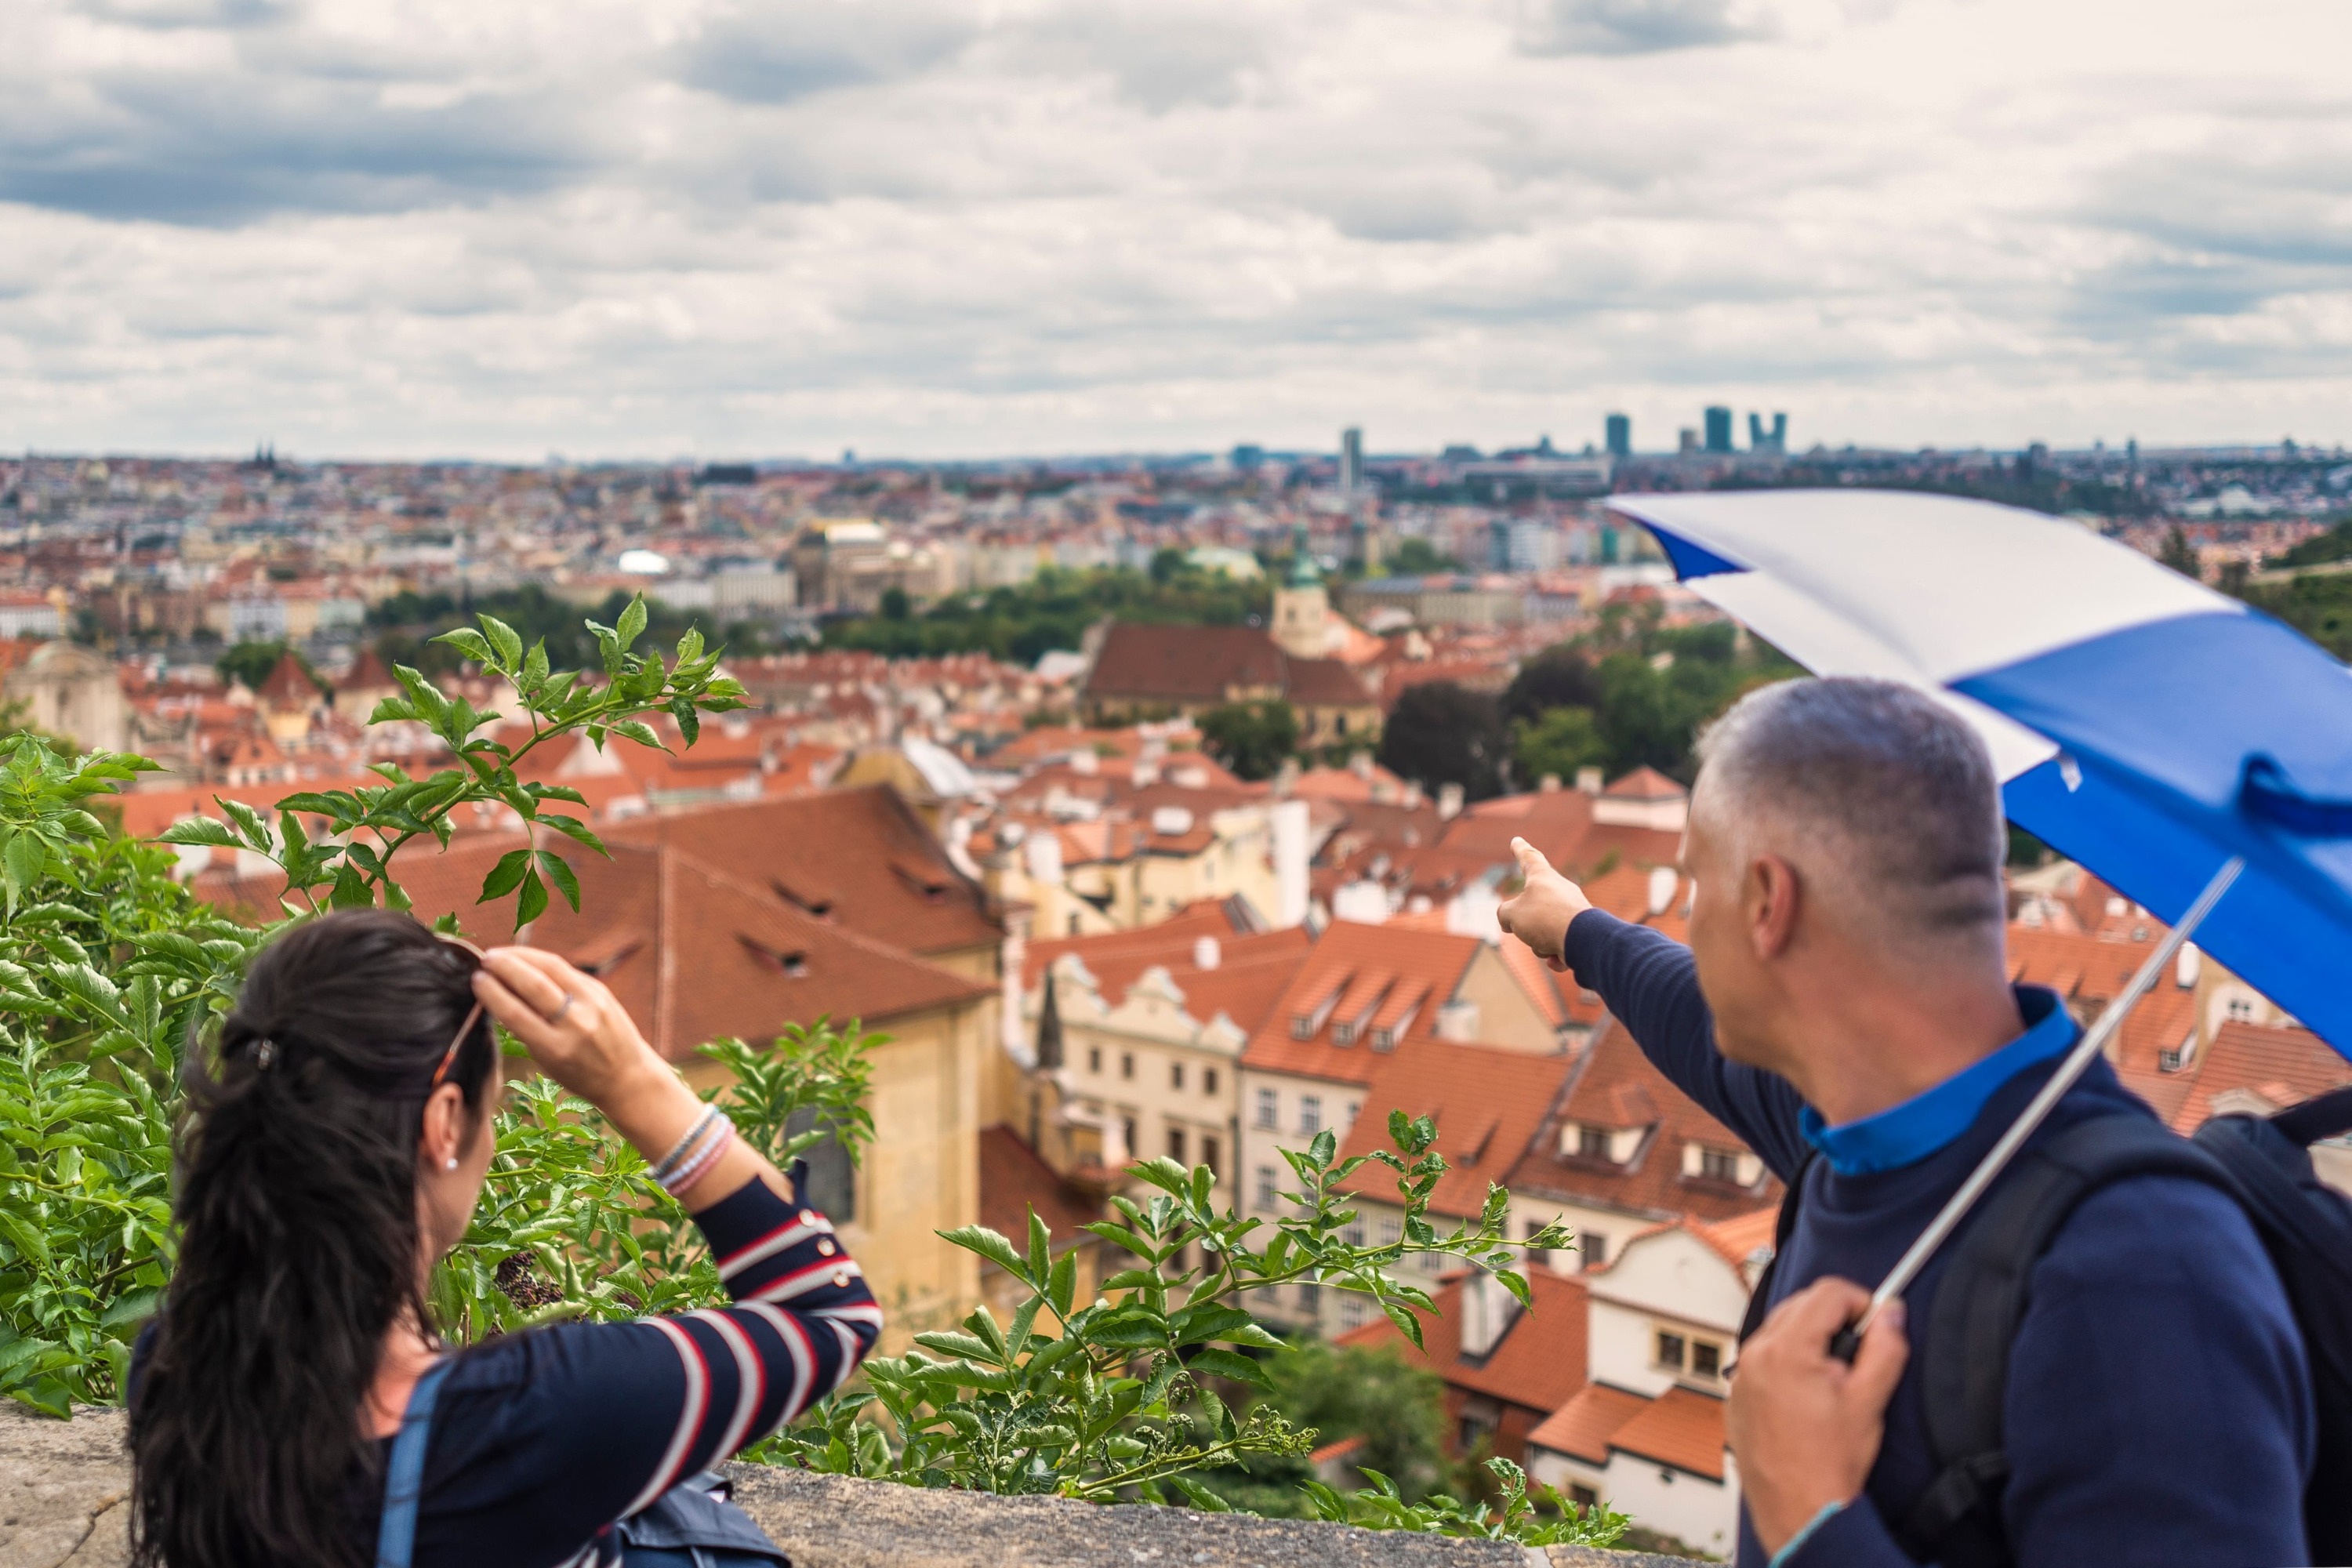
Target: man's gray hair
{"points": [[1882, 798]]}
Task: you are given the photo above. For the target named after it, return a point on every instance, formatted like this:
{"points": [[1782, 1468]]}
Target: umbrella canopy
{"points": [[2142, 724]]}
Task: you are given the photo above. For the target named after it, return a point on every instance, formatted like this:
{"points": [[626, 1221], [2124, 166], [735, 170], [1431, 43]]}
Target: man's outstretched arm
{"points": [[1650, 983]]}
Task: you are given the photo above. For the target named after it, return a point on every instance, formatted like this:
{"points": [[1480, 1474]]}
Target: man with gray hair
{"points": [[1844, 1007]]}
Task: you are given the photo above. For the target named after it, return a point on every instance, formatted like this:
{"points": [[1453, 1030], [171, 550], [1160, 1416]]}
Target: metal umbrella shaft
{"points": [[2095, 1040]]}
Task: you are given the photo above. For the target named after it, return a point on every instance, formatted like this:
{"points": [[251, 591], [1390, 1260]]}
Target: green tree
{"points": [[1374, 1394], [1416, 557], [249, 664], [1441, 733], [895, 605], [1559, 744], [1250, 738], [2180, 555], [1560, 677]]}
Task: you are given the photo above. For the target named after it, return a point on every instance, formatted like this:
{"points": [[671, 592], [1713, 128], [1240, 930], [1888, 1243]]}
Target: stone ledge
{"points": [[62, 1486]]}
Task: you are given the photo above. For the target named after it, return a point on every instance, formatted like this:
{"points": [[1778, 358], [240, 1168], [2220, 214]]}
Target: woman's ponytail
{"points": [[298, 1244]]}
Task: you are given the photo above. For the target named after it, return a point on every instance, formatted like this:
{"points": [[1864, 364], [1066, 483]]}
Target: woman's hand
{"points": [[577, 1032]]}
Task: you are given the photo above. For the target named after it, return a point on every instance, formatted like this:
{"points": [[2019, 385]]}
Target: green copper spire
{"points": [[1303, 572]]}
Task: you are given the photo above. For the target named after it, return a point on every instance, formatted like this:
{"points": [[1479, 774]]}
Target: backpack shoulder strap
{"points": [[1760, 1299], [1977, 1306], [403, 1478]]}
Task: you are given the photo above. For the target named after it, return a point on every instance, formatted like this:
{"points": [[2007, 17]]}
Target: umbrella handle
{"points": [[1847, 1339]]}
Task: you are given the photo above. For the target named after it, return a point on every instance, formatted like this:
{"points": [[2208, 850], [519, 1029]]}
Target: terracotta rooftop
{"points": [[1615, 1087], [858, 858], [1415, 972], [1014, 1181], [1681, 1428], [1487, 1103], [1537, 1364], [1581, 1428]]}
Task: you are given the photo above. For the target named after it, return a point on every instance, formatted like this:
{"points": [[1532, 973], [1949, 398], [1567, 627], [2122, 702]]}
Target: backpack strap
{"points": [[1791, 1200], [2328, 1116], [403, 1478], [1979, 1304]]}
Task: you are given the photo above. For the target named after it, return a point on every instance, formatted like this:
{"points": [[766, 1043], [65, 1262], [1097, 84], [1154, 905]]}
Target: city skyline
{"points": [[933, 230]]}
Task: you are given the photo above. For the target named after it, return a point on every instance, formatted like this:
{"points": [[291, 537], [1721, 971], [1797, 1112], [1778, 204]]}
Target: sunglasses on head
{"points": [[473, 1017]]}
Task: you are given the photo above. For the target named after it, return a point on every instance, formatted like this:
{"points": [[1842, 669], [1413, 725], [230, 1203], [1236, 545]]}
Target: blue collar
{"points": [[1904, 1135]]}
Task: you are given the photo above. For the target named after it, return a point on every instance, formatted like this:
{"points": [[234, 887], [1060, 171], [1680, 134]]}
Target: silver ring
{"points": [[557, 1017]]}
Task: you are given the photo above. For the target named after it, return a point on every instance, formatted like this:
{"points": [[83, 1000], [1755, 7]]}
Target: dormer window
{"points": [[1717, 1165], [792, 964], [1592, 1142]]}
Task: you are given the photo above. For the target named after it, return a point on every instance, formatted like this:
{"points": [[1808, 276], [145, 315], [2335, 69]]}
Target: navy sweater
{"points": [[2159, 1408]]}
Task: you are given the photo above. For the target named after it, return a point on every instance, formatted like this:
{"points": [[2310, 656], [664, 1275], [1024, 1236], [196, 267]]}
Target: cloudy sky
{"points": [[962, 227]]}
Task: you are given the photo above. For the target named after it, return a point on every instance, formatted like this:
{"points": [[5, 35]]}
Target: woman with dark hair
{"points": [[330, 1160]]}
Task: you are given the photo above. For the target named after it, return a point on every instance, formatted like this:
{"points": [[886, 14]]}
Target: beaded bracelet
{"points": [[698, 1165], [685, 1145]]}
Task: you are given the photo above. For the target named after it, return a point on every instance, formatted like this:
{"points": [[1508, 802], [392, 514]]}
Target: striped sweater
{"points": [[542, 1441]]}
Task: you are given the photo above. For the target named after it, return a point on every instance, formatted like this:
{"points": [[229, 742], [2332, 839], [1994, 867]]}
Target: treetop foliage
{"points": [[1054, 610]]}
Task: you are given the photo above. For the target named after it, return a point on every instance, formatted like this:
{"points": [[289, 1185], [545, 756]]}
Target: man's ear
{"points": [[1769, 897]]}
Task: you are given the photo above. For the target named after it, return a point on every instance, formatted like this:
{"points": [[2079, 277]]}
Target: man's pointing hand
{"points": [[1539, 915]]}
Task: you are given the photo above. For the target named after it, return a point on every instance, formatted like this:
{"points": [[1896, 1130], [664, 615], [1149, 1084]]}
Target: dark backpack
{"points": [[2264, 1164]]}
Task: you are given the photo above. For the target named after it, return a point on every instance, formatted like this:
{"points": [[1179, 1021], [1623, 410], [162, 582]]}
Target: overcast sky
{"points": [[965, 227]]}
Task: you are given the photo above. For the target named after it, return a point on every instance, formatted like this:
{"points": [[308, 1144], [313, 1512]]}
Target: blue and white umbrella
{"points": [[2142, 724], [2195, 754]]}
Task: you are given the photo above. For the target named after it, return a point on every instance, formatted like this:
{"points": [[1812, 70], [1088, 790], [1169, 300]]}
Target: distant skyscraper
{"points": [[1351, 459], [1777, 440], [1621, 435], [1718, 429], [1686, 440], [1248, 458]]}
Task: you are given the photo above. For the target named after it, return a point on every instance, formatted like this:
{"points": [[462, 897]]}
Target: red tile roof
{"points": [[857, 857], [1537, 1364], [1014, 1181], [1681, 1428], [1487, 1103], [1615, 1087], [1428, 965], [1581, 1428], [2284, 1066]]}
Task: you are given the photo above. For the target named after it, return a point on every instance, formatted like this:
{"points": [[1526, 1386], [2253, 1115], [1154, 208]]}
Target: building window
{"points": [[1074, 925], [1176, 1145], [1310, 1113], [1127, 1064], [1671, 1350], [1583, 1496], [1269, 1108], [1175, 1075], [1351, 1310], [1392, 1231], [1134, 1149], [1537, 1255], [1592, 1142], [1094, 1059], [2241, 1009], [1355, 1231], [1716, 1165], [1208, 1080], [1212, 1153], [1311, 1296], [1267, 1197], [1595, 1248], [1706, 1358]]}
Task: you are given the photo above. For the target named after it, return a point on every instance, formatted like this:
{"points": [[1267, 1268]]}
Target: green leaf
{"points": [[198, 830], [1231, 1364], [689, 723], [469, 642], [642, 733], [504, 638], [560, 873], [506, 876], [532, 901], [633, 622], [989, 1244], [1407, 1322]]}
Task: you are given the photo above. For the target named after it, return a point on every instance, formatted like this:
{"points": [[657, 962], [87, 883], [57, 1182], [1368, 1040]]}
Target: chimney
{"points": [[1290, 889], [1458, 1021], [1360, 763], [1588, 781], [1147, 771], [1486, 1313], [1206, 954], [2185, 966], [1664, 880], [1449, 802], [1412, 797], [1548, 784], [1044, 852]]}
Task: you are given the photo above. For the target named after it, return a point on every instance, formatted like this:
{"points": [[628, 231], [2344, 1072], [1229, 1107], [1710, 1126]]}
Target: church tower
{"points": [[1302, 611]]}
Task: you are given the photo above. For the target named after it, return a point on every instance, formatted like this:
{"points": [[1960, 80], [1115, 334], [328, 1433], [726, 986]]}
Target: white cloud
{"points": [[644, 226]]}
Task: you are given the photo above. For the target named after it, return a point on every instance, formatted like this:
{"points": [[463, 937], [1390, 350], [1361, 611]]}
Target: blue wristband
{"points": [[1789, 1548]]}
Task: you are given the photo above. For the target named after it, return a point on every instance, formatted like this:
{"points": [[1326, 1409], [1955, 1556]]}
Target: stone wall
{"points": [[62, 1486]]}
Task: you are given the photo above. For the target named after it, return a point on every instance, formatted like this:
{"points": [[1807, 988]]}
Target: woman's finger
{"points": [[527, 980]]}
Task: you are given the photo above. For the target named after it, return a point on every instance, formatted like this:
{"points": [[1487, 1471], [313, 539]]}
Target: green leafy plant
{"points": [[349, 865], [1121, 1396], [105, 966], [1517, 1518]]}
